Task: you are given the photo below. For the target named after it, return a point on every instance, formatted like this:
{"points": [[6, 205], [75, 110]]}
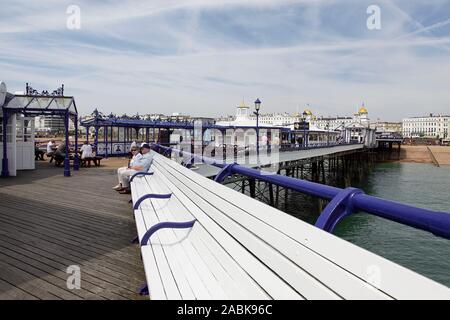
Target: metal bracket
{"points": [[188, 163], [168, 151], [143, 290], [141, 173], [150, 196], [164, 225], [225, 172], [135, 240], [338, 208]]}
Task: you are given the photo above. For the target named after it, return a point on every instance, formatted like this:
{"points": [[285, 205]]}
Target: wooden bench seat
{"points": [[86, 162], [240, 248]]}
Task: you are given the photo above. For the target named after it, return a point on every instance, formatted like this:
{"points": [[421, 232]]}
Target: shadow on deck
{"points": [[49, 222]]}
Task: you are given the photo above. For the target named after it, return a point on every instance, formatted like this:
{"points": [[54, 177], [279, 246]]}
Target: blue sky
{"points": [[201, 57]]}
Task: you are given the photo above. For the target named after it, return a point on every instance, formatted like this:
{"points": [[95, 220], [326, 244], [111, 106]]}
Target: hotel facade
{"points": [[432, 126]]}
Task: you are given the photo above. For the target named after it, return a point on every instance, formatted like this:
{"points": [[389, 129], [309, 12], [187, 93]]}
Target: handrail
{"points": [[432, 221]]}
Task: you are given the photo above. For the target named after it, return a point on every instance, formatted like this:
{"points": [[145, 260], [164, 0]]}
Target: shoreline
{"points": [[423, 154]]}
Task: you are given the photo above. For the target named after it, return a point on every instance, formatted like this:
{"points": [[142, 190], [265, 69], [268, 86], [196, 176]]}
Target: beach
{"points": [[421, 154]]}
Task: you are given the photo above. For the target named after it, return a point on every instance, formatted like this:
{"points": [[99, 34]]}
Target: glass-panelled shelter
{"points": [[17, 126], [113, 136]]}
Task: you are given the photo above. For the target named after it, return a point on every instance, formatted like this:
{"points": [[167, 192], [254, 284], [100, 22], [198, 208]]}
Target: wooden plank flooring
{"points": [[49, 222]]}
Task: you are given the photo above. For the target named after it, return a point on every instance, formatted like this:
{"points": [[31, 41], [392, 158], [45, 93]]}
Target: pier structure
{"points": [[389, 146], [113, 135]]}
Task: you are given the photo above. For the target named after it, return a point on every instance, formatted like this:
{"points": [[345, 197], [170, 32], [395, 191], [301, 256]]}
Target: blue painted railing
{"points": [[342, 201]]}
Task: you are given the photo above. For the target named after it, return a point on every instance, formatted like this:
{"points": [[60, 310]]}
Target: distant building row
{"points": [[432, 126]]}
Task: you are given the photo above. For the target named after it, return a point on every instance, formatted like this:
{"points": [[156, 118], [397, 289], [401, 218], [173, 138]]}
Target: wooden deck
{"points": [[49, 222]]}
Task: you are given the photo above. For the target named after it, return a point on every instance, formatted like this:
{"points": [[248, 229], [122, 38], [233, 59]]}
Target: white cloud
{"points": [[182, 67]]}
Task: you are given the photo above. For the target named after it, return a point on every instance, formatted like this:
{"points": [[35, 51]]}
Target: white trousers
{"points": [[124, 174]]}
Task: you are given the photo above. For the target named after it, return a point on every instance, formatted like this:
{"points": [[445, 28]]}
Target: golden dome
{"points": [[362, 110], [242, 105], [308, 112]]}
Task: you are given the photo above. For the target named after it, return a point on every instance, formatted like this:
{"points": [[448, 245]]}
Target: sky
{"points": [[203, 57]]}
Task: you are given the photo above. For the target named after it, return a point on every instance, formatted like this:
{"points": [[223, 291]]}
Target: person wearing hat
{"points": [[137, 164]]}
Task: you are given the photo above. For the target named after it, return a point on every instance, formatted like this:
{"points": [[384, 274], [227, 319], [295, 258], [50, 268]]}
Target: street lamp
{"points": [[257, 107], [305, 114]]}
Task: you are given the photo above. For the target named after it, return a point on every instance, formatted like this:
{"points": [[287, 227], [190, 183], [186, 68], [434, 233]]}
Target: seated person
{"points": [[135, 156], [50, 146], [61, 151], [38, 153], [86, 151], [137, 164]]}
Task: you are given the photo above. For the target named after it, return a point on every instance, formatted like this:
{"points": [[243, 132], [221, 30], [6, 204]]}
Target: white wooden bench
{"points": [[240, 248]]}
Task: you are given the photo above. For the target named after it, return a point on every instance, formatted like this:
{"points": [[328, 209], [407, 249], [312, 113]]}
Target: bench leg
{"points": [[135, 240], [143, 291]]}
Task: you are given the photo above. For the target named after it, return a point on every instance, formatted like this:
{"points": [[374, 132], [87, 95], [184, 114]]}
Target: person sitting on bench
{"points": [[50, 147], [60, 154], [86, 151], [141, 163], [136, 155], [38, 153]]}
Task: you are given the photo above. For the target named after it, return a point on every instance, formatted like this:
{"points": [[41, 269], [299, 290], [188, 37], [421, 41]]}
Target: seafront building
{"points": [[389, 127], [432, 126], [51, 124], [356, 128]]}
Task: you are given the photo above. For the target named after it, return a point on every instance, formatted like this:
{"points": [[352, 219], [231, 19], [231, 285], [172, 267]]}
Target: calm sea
{"points": [[421, 185]]}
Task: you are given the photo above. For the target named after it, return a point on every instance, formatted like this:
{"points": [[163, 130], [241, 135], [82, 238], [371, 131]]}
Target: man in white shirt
{"points": [[86, 151], [50, 145]]}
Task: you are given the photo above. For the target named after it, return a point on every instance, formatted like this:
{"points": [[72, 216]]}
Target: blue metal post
{"points": [[105, 140], [76, 163], [96, 138], [5, 170], [66, 158], [87, 134], [257, 135]]}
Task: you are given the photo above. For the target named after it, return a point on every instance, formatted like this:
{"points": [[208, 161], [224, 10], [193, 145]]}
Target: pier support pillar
{"points": [[252, 185]]}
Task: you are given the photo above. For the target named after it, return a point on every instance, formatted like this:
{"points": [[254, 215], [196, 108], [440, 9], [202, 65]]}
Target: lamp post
{"points": [[304, 128], [257, 107]]}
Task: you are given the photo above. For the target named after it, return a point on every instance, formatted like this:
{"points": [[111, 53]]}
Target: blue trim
{"points": [[164, 225], [188, 163], [339, 207], [140, 174], [168, 151], [143, 290], [5, 169], [150, 196], [66, 158], [135, 240], [76, 160], [224, 172]]}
